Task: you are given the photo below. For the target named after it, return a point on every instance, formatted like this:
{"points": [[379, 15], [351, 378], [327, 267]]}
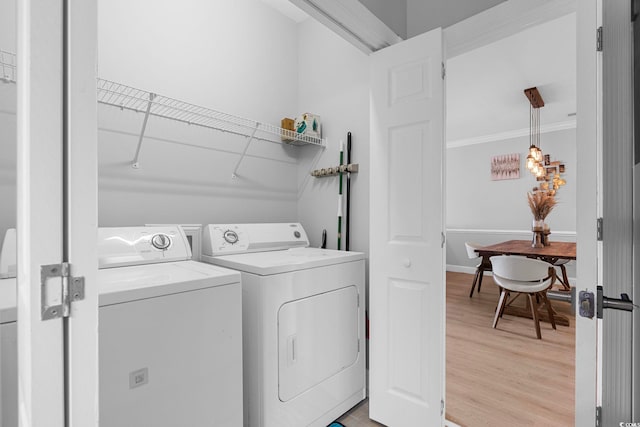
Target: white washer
{"points": [[303, 323], [169, 333]]}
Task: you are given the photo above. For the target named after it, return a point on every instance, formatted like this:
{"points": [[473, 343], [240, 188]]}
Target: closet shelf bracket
{"points": [[244, 152], [136, 159]]}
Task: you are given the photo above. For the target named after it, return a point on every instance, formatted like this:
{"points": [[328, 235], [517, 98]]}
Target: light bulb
{"points": [[535, 169], [530, 162], [538, 155]]}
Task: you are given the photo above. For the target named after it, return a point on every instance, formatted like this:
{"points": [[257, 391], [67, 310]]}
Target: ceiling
{"points": [[485, 86], [288, 9], [485, 98]]}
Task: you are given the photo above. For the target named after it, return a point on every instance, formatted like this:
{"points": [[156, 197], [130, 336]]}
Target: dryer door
{"points": [[317, 338]]}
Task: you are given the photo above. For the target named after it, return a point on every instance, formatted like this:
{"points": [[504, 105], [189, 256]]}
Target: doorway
{"points": [[505, 376]]}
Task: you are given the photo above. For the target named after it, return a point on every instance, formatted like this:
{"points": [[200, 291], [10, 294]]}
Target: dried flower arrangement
{"points": [[541, 204]]}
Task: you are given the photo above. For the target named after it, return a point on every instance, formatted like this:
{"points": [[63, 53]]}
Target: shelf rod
{"points": [[244, 152], [136, 163]]}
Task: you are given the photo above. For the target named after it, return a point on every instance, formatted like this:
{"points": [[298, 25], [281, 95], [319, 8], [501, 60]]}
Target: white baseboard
{"points": [[471, 270], [448, 423]]}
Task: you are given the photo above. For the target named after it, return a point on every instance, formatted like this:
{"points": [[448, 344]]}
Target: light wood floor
{"points": [[505, 376], [500, 377]]}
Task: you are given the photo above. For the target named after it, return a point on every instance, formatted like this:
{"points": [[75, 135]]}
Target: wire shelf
{"points": [[8, 66], [130, 98], [151, 104]]}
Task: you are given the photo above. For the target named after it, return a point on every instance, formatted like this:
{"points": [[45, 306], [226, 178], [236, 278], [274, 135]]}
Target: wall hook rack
{"points": [[320, 173]]}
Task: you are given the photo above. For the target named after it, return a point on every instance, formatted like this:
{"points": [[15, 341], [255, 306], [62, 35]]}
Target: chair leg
{"points": [[475, 280], [500, 307], [480, 275], [534, 313], [506, 303], [565, 279], [552, 319]]}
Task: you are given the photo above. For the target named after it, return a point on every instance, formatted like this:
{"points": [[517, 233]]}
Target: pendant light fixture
{"points": [[534, 157], [540, 165]]}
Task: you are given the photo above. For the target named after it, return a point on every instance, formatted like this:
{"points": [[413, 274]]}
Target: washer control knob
{"points": [[297, 234], [230, 236], [161, 241]]}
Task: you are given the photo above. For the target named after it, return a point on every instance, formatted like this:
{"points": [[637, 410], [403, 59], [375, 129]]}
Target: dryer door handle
{"points": [[292, 349]]}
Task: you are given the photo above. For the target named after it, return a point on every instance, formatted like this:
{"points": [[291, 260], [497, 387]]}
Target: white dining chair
{"points": [[526, 276], [472, 254]]}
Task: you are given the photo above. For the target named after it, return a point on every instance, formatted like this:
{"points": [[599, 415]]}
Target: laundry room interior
{"points": [[197, 103]]}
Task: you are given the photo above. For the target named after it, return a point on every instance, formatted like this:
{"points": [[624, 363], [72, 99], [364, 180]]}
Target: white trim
{"points": [[463, 269], [448, 423], [472, 270], [511, 134], [487, 231], [501, 21], [352, 21]]}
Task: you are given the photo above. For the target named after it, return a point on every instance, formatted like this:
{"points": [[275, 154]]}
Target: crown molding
{"points": [[518, 133]]}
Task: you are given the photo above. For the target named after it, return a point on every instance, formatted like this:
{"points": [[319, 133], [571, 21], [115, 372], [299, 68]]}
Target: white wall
{"points": [[243, 58], [486, 211], [334, 83], [238, 57]]}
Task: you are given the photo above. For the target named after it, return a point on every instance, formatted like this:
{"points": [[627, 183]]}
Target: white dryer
{"points": [[303, 323], [169, 334]]}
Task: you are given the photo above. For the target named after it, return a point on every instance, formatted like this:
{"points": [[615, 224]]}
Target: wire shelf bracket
{"points": [[136, 159], [244, 152]]}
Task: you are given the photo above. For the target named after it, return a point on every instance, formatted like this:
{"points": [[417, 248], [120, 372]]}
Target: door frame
{"points": [[57, 210]]}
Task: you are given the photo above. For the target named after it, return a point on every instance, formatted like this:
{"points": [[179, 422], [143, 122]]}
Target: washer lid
{"points": [[131, 283], [117, 285], [276, 262]]}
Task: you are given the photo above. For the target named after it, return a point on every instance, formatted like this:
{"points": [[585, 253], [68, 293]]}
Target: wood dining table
{"points": [[552, 253]]}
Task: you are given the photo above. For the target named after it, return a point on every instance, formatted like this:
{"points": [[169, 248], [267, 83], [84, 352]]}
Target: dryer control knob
{"points": [[230, 236], [161, 241]]}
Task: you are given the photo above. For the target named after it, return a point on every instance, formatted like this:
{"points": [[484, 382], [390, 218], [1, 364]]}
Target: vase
{"points": [[537, 226]]}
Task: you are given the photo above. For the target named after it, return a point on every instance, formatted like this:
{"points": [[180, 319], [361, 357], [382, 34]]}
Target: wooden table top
{"points": [[560, 250]]}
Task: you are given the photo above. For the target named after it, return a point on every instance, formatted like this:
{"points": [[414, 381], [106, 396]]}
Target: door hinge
{"points": [[598, 416], [71, 289], [599, 39], [444, 71], [599, 225], [441, 407]]}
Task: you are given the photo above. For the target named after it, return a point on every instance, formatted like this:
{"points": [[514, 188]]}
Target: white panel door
{"points": [[407, 287]]}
